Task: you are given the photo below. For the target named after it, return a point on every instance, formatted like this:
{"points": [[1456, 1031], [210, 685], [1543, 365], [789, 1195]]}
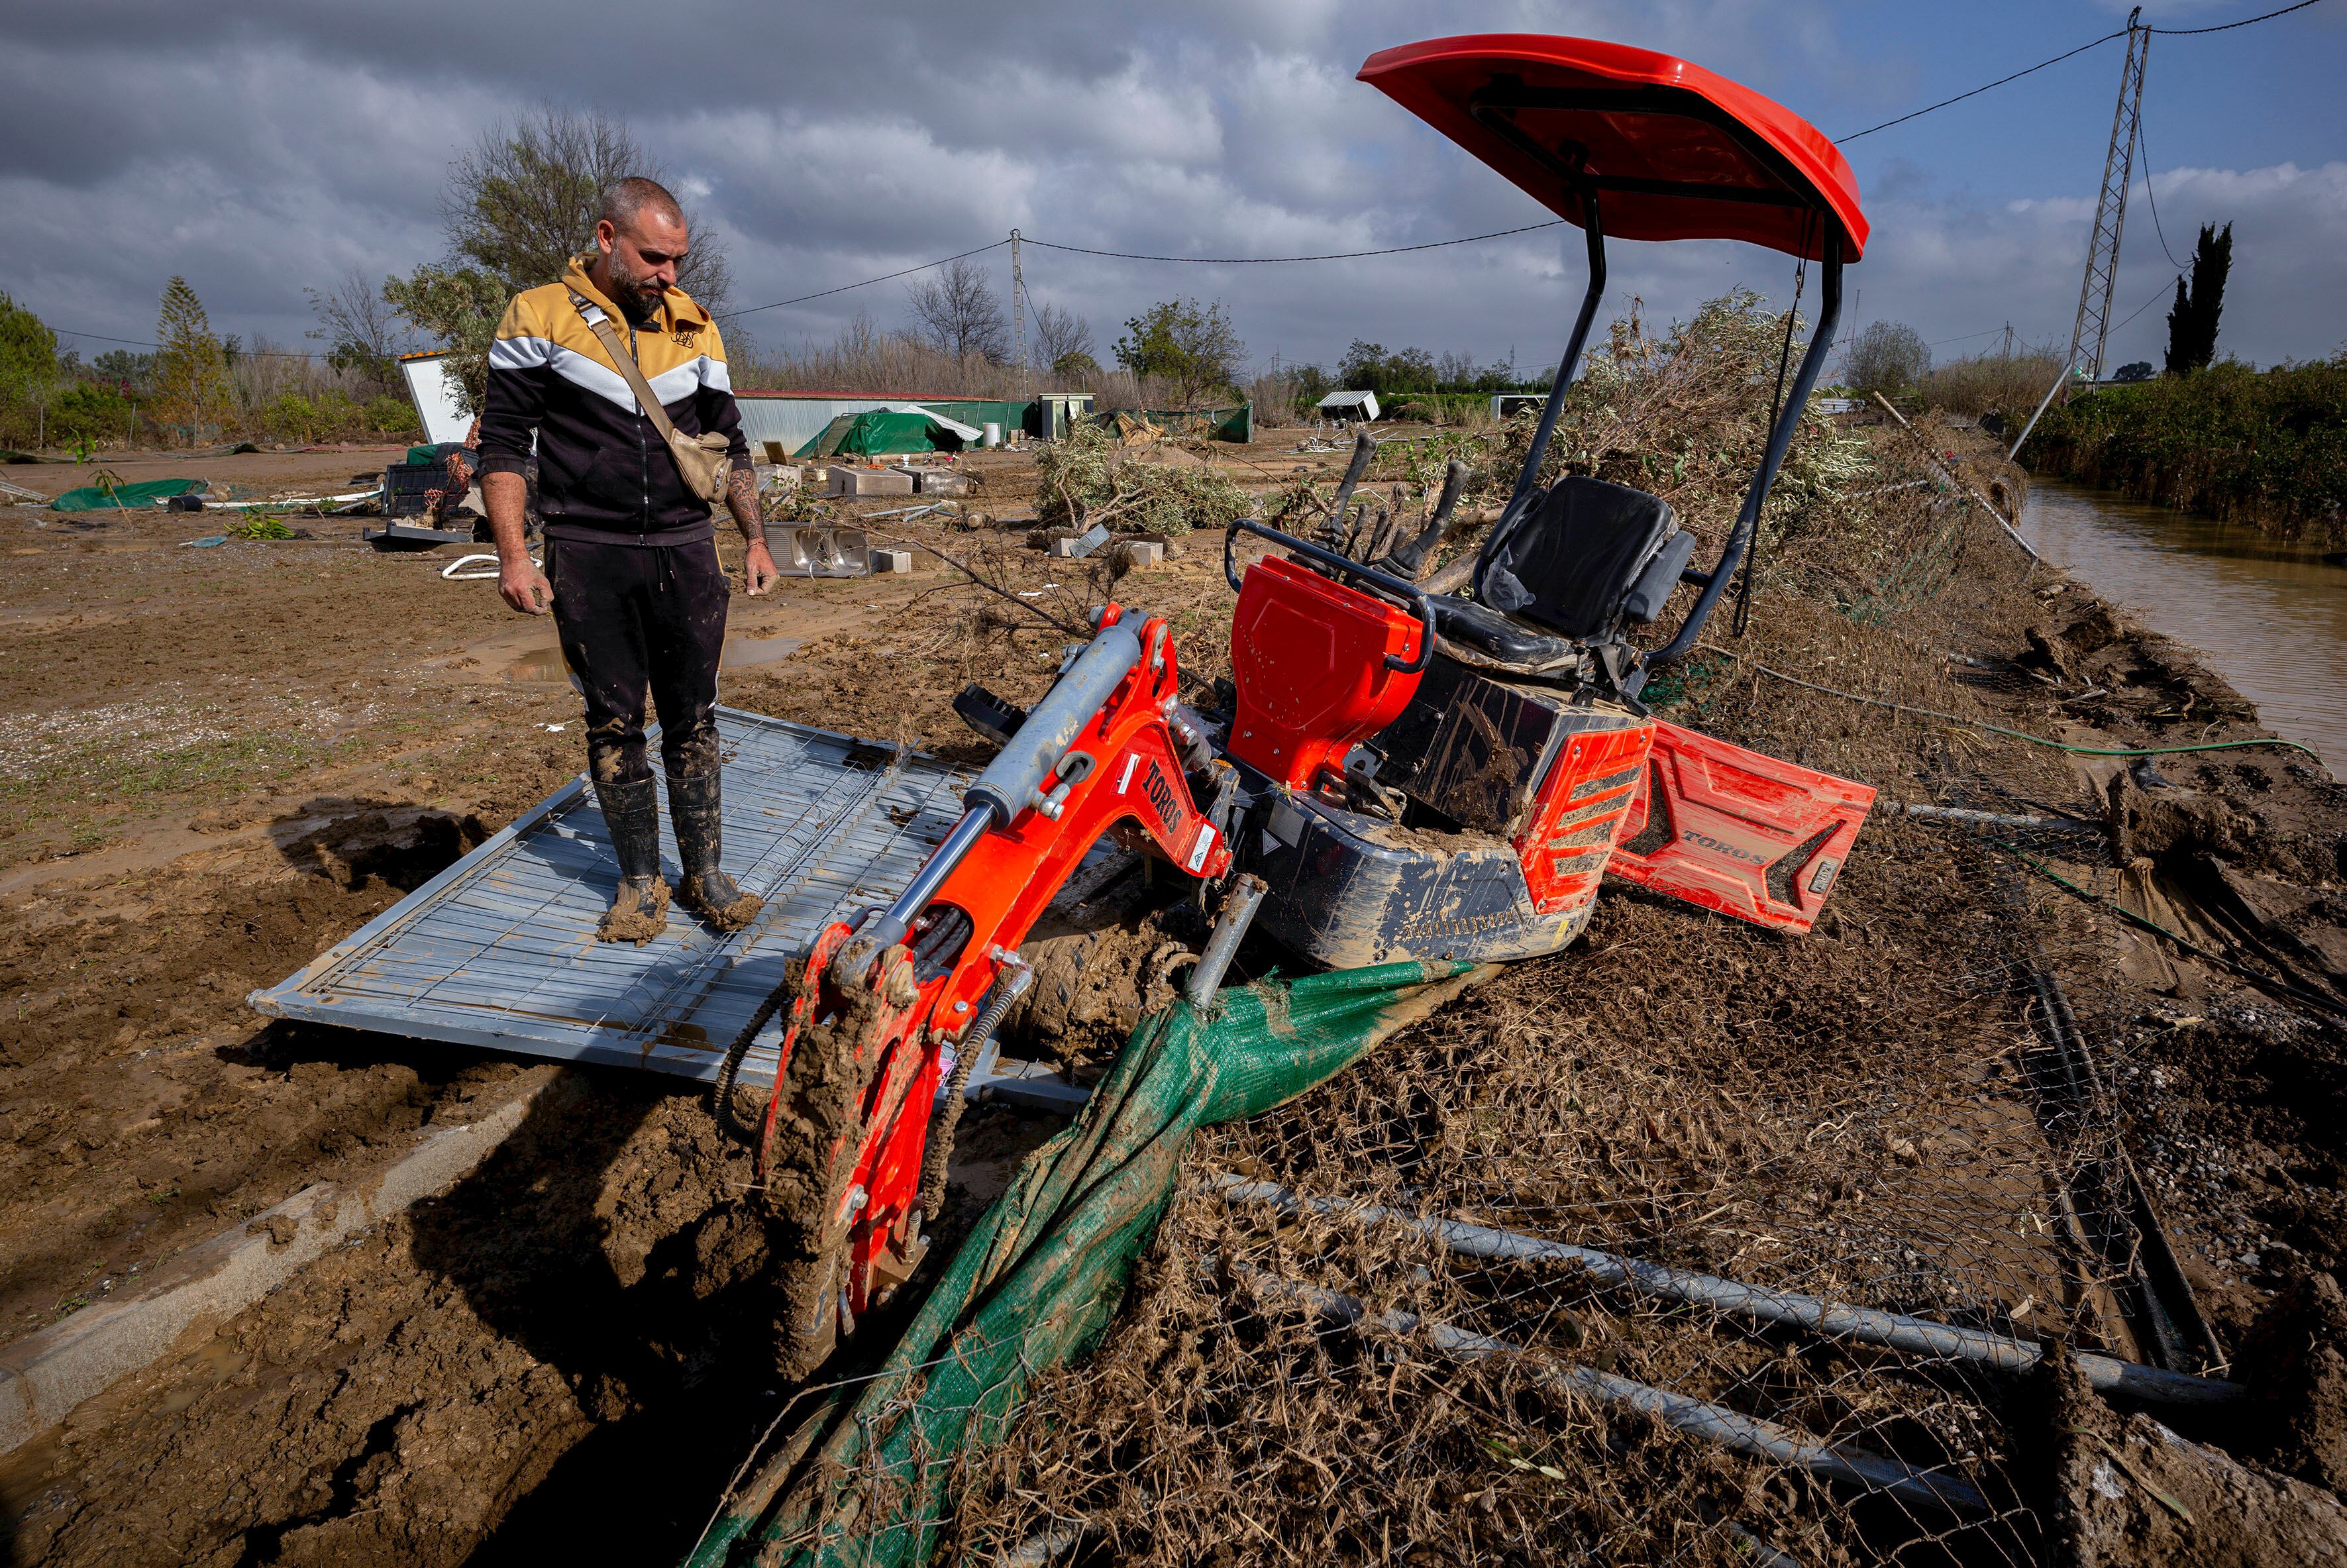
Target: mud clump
{"points": [[635, 916], [2295, 1359], [2125, 1490]]}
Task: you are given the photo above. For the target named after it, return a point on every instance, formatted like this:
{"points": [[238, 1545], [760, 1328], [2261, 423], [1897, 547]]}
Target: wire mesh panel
{"points": [[501, 950]]}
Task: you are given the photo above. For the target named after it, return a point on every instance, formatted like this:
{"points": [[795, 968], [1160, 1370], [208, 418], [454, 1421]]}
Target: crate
{"points": [[411, 489]]}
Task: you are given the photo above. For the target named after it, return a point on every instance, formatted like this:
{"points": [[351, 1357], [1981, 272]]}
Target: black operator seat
{"points": [[1583, 559]]}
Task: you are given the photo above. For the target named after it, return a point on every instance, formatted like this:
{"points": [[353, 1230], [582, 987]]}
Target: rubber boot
{"points": [[638, 909], [696, 807]]}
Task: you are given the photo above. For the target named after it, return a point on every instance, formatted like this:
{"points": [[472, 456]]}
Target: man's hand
{"points": [[522, 585], [519, 582], [758, 568]]}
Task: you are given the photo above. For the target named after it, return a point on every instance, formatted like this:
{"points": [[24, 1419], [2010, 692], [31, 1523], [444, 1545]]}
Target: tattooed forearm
{"points": [[742, 500]]}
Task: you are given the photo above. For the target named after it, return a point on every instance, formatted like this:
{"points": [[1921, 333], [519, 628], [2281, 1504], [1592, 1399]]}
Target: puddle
{"points": [[743, 652], [540, 664]]}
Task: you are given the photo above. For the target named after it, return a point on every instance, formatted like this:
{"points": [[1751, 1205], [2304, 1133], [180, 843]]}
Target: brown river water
{"points": [[2270, 617]]}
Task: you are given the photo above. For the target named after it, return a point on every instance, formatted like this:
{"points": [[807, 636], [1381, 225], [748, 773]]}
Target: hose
{"points": [[2013, 735], [2265, 983], [1007, 989]]}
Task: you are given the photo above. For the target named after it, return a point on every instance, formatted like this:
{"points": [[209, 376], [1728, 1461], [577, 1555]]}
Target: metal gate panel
{"points": [[499, 950]]}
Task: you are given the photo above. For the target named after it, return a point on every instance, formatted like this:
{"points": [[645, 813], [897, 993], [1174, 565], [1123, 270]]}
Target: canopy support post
{"points": [[1789, 420]]}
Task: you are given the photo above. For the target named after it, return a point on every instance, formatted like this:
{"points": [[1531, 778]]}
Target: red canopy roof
{"points": [[1673, 151]]}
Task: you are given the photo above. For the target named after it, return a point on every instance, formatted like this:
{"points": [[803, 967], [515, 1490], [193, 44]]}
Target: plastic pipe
{"points": [[1866, 1324], [1731, 1429]]}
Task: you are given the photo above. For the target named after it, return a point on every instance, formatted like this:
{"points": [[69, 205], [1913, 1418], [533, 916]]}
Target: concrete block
{"points": [[860, 482], [890, 560], [944, 482], [1075, 546], [43, 1376], [1142, 552]]}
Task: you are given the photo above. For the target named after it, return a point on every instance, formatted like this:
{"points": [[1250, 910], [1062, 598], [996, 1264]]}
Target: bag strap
{"points": [[599, 324]]}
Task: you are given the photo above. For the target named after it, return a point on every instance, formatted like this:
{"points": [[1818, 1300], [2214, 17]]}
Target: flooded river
{"points": [[2270, 617]]}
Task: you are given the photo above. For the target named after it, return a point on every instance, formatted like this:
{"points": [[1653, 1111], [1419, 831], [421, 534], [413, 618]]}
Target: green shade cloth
{"points": [[146, 493], [879, 431], [1040, 1278]]}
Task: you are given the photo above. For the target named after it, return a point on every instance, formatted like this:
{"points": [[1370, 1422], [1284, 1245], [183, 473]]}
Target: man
{"points": [[631, 571]]}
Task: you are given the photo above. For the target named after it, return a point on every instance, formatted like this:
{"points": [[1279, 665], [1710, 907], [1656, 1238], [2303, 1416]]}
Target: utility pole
{"points": [[2094, 322], [1019, 314]]}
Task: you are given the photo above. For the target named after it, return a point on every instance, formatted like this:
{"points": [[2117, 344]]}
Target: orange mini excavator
{"points": [[1393, 772]]}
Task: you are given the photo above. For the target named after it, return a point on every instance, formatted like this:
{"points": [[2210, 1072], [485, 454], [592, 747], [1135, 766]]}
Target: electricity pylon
{"points": [[1018, 315], [2094, 323]]}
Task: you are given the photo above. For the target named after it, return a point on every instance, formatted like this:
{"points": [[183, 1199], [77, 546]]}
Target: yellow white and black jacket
{"points": [[604, 473]]}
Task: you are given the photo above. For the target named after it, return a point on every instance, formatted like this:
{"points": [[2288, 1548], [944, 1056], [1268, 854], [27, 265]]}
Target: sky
{"points": [[264, 148]]}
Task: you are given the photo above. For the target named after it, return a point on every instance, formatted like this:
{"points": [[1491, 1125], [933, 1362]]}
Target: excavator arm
{"points": [[879, 1001]]}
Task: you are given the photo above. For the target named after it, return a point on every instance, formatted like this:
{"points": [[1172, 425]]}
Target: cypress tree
{"points": [[2192, 322]]}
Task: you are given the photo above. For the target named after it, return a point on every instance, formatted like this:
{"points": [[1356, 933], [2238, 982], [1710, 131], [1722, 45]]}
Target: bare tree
{"points": [[1060, 334], [1888, 357], [523, 199], [957, 312], [360, 329]]}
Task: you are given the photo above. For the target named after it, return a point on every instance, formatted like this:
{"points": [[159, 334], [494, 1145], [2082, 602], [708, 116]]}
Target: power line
{"points": [[242, 353], [885, 277], [1976, 92], [2096, 44], [2228, 26], [1330, 256], [2144, 143], [2144, 306]]}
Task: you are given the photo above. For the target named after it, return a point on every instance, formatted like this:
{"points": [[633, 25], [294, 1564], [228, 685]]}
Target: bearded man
{"points": [[632, 574]]}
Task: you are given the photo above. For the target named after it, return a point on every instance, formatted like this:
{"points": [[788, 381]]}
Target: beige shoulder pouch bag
{"points": [[701, 459]]}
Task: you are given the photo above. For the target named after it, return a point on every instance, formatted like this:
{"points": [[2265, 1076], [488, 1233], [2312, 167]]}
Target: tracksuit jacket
{"points": [[604, 472]]}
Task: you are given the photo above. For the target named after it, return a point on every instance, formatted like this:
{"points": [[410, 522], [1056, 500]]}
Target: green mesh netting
{"points": [[146, 493], [864, 1482]]}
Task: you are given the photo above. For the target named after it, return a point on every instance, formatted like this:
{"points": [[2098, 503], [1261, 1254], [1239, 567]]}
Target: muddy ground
{"points": [[215, 762]]}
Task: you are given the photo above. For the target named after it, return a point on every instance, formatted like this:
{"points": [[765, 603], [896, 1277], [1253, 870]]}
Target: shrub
{"points": [[391, 416], [2269, 450], [1088, 478], [90, 411]]}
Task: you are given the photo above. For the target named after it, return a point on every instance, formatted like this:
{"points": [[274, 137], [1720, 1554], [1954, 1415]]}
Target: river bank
{"points": [[2268, 615], [2267, 448]]}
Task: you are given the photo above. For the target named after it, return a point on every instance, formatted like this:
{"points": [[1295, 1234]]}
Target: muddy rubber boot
{"points": [[638, 909], [695, 806]]}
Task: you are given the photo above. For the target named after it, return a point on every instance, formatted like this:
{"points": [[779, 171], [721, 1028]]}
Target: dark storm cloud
{"points": [[266, 147]]}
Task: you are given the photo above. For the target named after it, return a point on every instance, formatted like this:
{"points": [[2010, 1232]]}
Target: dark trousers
{"points": [[634, 618]]}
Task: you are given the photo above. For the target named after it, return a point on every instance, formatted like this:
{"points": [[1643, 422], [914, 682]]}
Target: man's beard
{"points": [[637, 298]]}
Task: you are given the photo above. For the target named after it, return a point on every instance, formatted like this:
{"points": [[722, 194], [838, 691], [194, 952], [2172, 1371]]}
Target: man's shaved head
{"points": [[624, 200], [642, 237]]}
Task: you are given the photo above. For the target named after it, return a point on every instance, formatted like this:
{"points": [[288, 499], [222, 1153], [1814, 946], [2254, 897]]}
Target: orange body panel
{"points": [[1583, 804], [1309, 656], [1733, 831]]}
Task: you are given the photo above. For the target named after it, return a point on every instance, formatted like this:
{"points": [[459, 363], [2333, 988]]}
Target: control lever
{"points": [[1410, 559], [1365, 446]]}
